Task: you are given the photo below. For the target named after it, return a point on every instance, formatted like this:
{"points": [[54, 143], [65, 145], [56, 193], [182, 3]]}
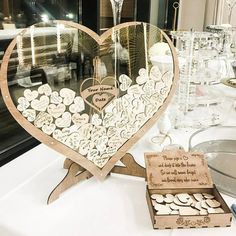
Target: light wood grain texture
{"points": [[76, 174], [177, 169], [67, 163], [131, 167], [73, 176], [103, 99], [177, 221]]}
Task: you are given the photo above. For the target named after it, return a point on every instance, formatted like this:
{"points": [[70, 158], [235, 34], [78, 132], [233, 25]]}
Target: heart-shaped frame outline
{"points": [[60, 147]]}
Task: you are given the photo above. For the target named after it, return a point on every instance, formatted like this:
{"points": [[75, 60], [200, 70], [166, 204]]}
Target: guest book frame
{"points": [[61, 118]]}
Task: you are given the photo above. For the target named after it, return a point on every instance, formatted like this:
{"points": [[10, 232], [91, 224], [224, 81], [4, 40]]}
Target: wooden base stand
{"points": [[76, 174]]}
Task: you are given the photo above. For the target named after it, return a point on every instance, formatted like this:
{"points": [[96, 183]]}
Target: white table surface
{"points": [[116, 206]]}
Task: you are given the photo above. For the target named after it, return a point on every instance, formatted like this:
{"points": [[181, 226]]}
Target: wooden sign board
{"points": [[181, 194], [177, 169]]}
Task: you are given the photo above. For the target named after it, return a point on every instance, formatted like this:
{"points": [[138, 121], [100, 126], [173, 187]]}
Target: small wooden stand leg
{"points": [[131, 167], [76, 174], [67, 163]]}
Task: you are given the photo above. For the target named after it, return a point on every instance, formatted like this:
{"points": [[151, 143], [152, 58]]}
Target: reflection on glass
{"points": [[68, 86]]}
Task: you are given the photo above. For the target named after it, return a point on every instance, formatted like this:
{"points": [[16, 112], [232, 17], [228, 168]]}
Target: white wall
{"points": [[210, 13], [191, 15], [154, 11], [225, 15], [197, 14], [217, 13]]}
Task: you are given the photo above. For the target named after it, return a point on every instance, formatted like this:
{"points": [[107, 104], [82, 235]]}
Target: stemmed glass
{"points": [[231, 4], [116, 10]]}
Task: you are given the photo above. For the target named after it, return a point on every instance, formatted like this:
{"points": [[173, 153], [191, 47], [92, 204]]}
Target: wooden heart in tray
{"points": [[87, 96]]}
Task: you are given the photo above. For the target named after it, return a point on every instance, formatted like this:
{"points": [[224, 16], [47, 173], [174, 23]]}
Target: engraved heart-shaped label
{"points": [[23, 104], [55, 98], [42, 119], [125, 82], [73, 140], [30, 95], [48, 129], [155, 73], [143, 76], [40, 104], [61, 135], [98, 132], [30, 114], [45, 89], [91, 117], [64, 121], [68, 96], [99, 94], [100, 161], [101, 100], [56, 110], [80, 120], [85, 146], [78, 105]]}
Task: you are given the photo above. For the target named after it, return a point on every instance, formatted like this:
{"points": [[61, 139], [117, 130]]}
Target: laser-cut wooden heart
{"points": [[121, 120], [99, 94]]}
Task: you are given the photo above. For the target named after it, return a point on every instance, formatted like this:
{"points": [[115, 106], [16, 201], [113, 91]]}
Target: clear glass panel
{"points": [[90, 97]]}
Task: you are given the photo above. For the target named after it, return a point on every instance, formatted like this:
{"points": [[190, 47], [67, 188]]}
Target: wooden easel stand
{"points": [[76, 174]]}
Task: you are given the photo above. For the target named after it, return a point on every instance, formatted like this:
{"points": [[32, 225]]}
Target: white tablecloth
{"points": [[116, 206]]}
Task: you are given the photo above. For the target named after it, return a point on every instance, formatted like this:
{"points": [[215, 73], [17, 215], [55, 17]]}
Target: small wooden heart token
{"points": [[213, 203], [68, 96], [80, 120], [48, 129], [159, 198], [23, 104], [45, 89], [30, 114], [30, 95], [55, 98], [188, 211], [125, 82], [40, 104], [169, 198], [56, 110], [64, 121]]}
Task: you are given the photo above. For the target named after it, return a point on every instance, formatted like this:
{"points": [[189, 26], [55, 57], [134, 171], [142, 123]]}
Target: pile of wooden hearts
{"points": [[186, 204], [97, 136]]}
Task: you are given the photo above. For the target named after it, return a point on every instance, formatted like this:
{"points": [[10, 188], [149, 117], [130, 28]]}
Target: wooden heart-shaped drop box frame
{"points": [[74, 156]]}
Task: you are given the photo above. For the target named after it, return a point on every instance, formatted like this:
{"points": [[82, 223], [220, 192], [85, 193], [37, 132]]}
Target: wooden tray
{"points": [[200, 182]]}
